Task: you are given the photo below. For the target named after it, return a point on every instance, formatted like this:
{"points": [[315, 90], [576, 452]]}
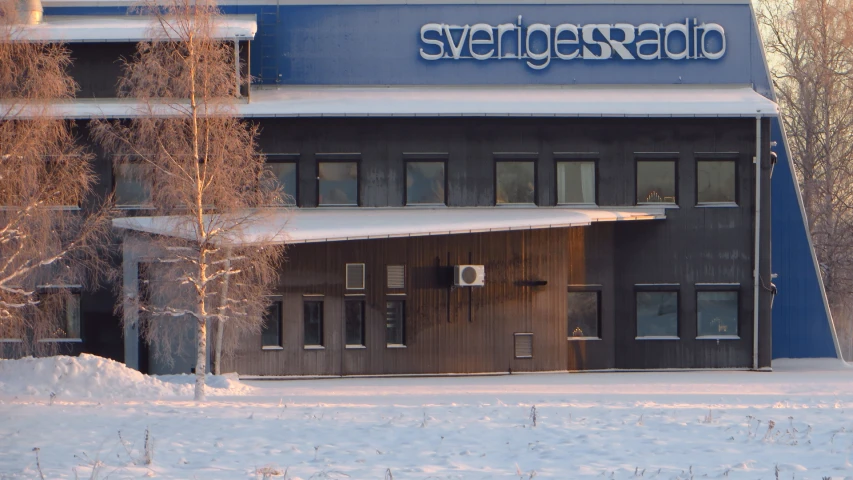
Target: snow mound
{"points": [[90, 376]]}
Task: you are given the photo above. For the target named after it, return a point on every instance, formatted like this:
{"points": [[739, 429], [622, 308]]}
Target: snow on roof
{"points": [[314, 225], [101, 3], [119, 28], [499, 101]]}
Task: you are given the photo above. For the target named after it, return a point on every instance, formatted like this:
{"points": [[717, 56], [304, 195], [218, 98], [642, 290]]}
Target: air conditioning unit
{"points": [[469, 275]]}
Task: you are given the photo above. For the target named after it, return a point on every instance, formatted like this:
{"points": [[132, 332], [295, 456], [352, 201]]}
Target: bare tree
{"points": [[206, 176], [51, 233]]}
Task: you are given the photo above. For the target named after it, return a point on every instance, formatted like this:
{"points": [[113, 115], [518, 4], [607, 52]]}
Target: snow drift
{"points": [[90, 376]]}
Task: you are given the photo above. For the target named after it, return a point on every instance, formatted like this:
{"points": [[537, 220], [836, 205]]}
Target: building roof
{"points": [[313, 225], [119, 28], [478, 101], [102, 3]]}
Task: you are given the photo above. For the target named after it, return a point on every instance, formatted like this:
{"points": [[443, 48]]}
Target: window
{"points": [[584, 314], [271, 329], [55, 169], [657, 314], [313, 322], [425, 183], [67, 309], [132, 183], [354, 276], [337, 183], [715, 181], [354, 320], [395, 322], [576, 182], [515, 182], [717, 314], [656, 181], [284, 177]]}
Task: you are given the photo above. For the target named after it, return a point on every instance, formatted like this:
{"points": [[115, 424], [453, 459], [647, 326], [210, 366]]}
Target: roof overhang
{"points": [[314, 225], [120, 28], [475, 101]]}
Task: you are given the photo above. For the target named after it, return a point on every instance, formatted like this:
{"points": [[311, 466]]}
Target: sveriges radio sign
{"points": [[538, 44]]}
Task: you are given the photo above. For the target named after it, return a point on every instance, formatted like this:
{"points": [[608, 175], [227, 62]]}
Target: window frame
{"points": [[280, 344], [399, 297], [362, 299], [113, 169], [423, 158], [339, 158], [76, 290], [717, 157], [321, 299], [559, 158], [658, 288], [672, 157], [718, 287], [287, 158], [516, 158], [588, 288]]}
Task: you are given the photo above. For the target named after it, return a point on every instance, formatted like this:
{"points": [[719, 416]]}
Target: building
{"points": [[492, 187]]}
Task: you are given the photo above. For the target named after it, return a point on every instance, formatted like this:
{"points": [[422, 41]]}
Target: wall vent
{"points": [[355, 276], [396, 276], [523, 345]]}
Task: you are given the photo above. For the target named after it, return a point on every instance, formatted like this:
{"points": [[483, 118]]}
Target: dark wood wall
{"points": [[693, 245]]}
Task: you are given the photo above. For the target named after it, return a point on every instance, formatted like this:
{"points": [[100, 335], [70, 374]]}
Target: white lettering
{"points": [[566, 27], [456, 48], [649, 27], [604, 47], [674, 28], [503, 28], [619, 47], [481, 28], [545, 54], [432, 27], [713, 27]]}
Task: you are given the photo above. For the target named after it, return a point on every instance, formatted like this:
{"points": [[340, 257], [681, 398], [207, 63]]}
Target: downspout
{"points": [[756, 271], [237, 65]]}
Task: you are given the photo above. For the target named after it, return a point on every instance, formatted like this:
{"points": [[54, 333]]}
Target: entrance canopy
{"points": [[120, 28], [339, 224]]}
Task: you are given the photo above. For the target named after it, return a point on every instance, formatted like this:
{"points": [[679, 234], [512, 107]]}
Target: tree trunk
{"points": [[220, 321], [201, 360]]}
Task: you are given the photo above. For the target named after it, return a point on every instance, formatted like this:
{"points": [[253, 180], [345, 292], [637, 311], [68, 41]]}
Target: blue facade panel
{"points": [[801, 326], [380, 45]]}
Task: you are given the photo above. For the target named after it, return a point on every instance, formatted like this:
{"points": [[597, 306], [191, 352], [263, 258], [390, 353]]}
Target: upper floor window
{"points": [[425, 183], [716, 181], [515, 182], [283, 170], [576, 182], [337, 183], [132, 184], [717, 313], [656, 181]]}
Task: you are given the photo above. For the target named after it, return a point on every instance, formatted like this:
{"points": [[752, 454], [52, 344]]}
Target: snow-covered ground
{"points": [[796, 422]]}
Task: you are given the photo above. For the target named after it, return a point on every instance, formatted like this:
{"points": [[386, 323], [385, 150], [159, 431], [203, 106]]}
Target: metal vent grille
{"points": [[396, 276], [355, 276], [523, 345]]}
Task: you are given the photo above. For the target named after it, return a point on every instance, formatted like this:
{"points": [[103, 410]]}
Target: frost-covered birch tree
{"points": [[205, 174], [51, 232]]}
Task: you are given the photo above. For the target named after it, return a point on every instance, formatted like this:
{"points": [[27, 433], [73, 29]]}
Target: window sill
{"points": [[578, 205], [717, 205], [582, 339], [60, 340], [313, 347], [356, 347], [11, 340], [718, 337], [662, 337], [133, 207], [515, 205], [426, 205], [272, 347], [656, 204], [394, 345], [342, 205]]}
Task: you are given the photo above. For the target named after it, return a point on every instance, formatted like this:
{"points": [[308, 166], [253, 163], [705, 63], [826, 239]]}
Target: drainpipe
{"points": [[755, 274], [30, 12]]}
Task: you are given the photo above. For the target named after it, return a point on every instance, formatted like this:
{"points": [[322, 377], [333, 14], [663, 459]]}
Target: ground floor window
{"points": [[132, 184], [354, 321], [271, 330], [313, 322], [657, 313], [717, 313], [584, 312], [395, 322]]}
